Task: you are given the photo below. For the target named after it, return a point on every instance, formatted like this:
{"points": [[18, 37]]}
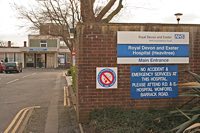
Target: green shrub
{"points": [[115, 120], [72, 70], [191, 111], [69, 72]]}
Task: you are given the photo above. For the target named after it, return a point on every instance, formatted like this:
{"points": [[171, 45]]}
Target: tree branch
{"points": [[115, 12], [105, 10], [77, 10]]}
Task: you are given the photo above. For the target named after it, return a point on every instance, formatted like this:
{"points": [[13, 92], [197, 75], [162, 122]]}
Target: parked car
{"points": [[13, 67], [2, 67]]}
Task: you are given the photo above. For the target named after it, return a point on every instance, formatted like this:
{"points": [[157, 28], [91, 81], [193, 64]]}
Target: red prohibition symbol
{"points": [[107, 78]]}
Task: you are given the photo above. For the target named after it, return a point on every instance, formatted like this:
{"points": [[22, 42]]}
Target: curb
{"points": [[70, 96], [66, 97]]}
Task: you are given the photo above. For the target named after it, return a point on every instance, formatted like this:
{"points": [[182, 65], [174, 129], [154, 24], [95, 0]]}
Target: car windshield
{"points": [[10, 64]]}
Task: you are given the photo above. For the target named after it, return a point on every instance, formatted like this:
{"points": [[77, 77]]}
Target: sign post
{"points": [[73, 58]]}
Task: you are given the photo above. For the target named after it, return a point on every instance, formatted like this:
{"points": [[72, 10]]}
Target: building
{"points": [[43, 51], [11, 54]]}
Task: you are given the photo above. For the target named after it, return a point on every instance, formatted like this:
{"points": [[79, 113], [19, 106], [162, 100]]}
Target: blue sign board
{"points": [[38, 49], [152, 50], [154, 81]]}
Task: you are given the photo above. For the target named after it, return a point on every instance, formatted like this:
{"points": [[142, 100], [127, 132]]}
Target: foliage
{"points": [[192, 112], [6, 59], [195, 128], [116, 120], [69, 72], [3, 43], [72, 72]]}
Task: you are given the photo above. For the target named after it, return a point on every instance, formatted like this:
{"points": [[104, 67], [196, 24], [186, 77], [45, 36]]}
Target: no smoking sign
{"points": [[106, 77]]}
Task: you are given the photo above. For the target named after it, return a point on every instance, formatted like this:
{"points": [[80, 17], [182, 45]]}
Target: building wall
{"points": [[12, 54], [2, 56], [50, 60], [97, 47], [52, 52], [36, 43], [53, 29], [28, 55]]}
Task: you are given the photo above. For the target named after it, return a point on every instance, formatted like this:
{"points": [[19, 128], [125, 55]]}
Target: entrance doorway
{"points": [[40, 60]]}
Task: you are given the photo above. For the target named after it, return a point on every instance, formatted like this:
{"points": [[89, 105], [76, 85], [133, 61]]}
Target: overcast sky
{"points": [[134, 11]]}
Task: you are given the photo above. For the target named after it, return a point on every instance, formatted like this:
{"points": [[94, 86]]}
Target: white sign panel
{"points": [[152, 47], [132, 37], [106, 78]]}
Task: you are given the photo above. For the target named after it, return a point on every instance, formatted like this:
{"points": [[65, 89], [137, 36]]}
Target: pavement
{"points": [[57, 112], [52, 116], [59, 118]]}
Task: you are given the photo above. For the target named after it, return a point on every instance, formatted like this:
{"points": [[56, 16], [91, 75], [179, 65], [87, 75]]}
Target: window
{"points": [[18, 57], [2, 56], [43, 43]]}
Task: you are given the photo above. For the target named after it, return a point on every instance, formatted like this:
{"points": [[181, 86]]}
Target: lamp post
{"points": [[178, 15]]}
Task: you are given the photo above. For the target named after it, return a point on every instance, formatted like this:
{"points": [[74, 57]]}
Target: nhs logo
{"points": [[179, 36]]}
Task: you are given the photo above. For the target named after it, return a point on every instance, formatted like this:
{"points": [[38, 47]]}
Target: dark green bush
{"points": [[73, 74], [115, 120], [69, 72]]}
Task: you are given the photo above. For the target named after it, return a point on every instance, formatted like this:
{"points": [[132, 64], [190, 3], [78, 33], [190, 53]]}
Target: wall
{"points": [[36, 43], [12, 53], [50, 61], [97, 47], [53, 29]]}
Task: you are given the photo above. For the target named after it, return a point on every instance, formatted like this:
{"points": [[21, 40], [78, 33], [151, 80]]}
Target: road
{"points": [[32, 87]]}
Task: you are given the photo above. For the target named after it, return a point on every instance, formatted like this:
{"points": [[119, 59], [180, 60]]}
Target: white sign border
{"points": [[135, 37], [135, 60], [98, 70]]}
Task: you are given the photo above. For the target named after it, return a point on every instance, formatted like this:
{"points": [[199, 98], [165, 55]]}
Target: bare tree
{"points": [[62, 15], [3, 43], [88, 15]]}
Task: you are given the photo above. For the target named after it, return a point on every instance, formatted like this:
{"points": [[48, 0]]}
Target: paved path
{"points": [[52, 116]]}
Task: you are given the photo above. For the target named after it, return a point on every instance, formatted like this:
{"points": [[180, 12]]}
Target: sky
{"points": [[134, 11]]}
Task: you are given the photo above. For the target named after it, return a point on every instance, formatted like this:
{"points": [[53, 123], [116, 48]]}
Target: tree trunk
{"points": [[87, 12]]}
